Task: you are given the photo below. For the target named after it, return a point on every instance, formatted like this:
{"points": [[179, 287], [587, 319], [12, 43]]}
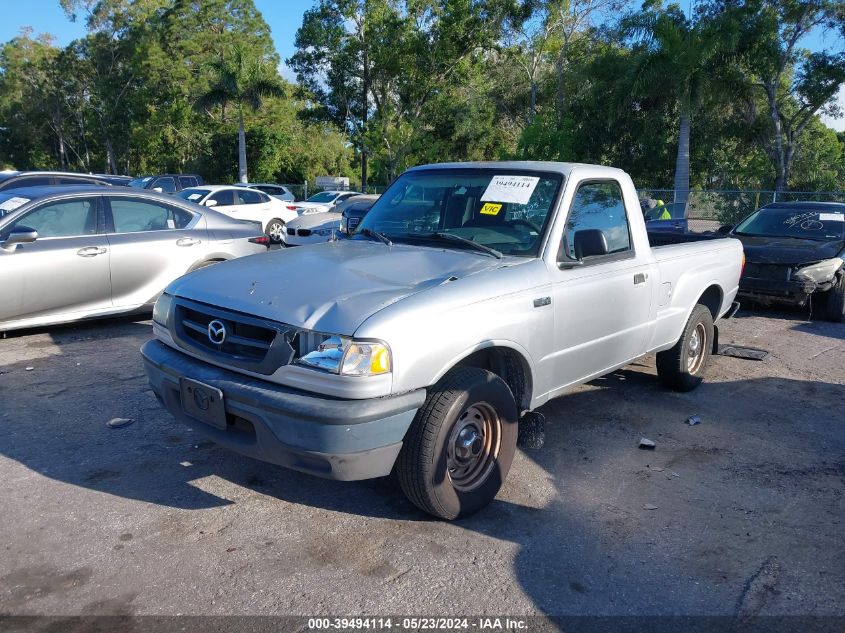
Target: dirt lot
{"points": [[151, 519]]}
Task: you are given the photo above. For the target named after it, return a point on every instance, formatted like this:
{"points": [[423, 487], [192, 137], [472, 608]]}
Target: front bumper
{"points": [[792, 292], [324, 436]]}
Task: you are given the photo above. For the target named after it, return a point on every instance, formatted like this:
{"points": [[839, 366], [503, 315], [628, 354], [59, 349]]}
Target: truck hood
{"points": [[330, 288], [788, 250]]}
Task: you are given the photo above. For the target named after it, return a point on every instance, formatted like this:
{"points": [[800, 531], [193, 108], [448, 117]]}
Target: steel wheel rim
{"points": [[696, 348], [275, 231], [473, 446]]}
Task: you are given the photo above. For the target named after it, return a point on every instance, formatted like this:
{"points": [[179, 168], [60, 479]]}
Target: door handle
{"points": [[90, 251], [187, 241], [640, 278]]}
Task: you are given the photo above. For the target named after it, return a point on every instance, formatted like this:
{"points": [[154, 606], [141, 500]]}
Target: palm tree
{"points": [[244, 81], [684, 58]]}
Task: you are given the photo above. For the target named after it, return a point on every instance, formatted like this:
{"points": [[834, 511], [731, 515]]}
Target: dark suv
{"points": [[21, 179], [167, 183]]}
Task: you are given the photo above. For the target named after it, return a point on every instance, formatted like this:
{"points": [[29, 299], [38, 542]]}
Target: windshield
{"points": [[822, 224], [194, 195], [140, 183], [9, 202], [503, 209], [324, 196]]}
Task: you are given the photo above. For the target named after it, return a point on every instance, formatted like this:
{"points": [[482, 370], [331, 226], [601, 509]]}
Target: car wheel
{"points": [[275, 230], [461, 444], [682, 367], [835, 304]]}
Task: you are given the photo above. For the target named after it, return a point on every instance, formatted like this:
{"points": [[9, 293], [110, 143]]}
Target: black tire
{"points": [[682, 367], [275, 228], [835, 303], [432, 473]]}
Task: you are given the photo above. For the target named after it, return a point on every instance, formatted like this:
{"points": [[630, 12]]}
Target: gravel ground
{"points": [[739, 515]]}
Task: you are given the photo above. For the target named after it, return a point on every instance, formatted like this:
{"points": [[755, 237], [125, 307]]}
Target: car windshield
{"points": [[324, 196], [193, 195], [805, 223], [9, 202], [503, 209], [140, 182]]}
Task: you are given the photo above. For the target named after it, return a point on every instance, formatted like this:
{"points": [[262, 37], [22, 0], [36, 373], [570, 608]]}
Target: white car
{"points": [[312, 229], [323, 201], [276, 191], [243, 203]]}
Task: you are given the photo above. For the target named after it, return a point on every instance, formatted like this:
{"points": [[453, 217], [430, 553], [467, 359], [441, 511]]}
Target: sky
{"points": [[283, 16]]}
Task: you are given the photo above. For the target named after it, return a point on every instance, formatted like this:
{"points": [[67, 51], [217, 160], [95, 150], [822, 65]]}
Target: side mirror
{"points": [[724, 229], [590, 242], [210, 202], [20, 235], [158, 189]]}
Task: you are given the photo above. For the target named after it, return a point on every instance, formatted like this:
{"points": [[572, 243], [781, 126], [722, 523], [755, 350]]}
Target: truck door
{"points": [[602, 305]]}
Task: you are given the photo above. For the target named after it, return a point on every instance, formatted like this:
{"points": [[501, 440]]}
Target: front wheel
{"points": [[682, 367], [461, 444], [835, 304], [275, 230]]}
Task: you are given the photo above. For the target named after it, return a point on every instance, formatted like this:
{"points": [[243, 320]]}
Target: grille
{"points": [[767, 271], [249, 343], [303, 232], [291, 231]]}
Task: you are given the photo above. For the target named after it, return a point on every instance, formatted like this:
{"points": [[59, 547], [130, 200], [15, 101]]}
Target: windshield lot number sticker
{"points": [[491, 208], [516, 189], [832, 217]]}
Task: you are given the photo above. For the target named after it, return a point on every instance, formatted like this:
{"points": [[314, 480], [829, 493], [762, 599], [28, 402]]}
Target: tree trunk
{"points": [[532, 111], [242, 175], [777, 132], [682, 161], [364, 118], [112, 163]]}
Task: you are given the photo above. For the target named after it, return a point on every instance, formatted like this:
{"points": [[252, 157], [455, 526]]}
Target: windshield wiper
{"points": [[375, 234], [462, 240]]}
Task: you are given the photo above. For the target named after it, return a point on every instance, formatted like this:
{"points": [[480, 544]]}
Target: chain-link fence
{"points": [[708, 210]]}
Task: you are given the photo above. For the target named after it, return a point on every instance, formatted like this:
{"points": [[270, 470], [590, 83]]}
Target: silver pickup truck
{"points": [[470, 295]]}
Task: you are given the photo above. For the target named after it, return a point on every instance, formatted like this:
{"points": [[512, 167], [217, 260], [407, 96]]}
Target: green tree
{"points": [[243, 81], [684, 58]]}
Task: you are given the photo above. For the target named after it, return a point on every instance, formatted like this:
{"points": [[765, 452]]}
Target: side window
{"points": [[248, 196], [33, 181], [273, 191], [224, 197], [67, 218], [187, 181], [133, 216], [167, 185], [599, 205]]}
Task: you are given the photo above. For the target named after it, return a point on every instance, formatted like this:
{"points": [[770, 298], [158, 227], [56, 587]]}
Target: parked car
{"points": [[242, 203], [323, 201], [312, 229], [470, 294], [353, 210], [656, 219], [70, 253], [116, 180], [167, 183], [794, 251], [21, 179], [277, 191]]}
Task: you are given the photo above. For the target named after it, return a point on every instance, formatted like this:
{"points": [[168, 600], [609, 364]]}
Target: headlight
{"points": [[346, 357], [822, 271], [162, 308]]}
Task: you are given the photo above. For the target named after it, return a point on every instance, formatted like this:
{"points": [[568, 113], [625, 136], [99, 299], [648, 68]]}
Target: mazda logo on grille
{"points": [[216, 332]]}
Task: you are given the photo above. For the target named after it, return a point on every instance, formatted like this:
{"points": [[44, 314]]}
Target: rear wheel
{"points": [[835, 304], [682, 367], [275, 230], [461, 444]]}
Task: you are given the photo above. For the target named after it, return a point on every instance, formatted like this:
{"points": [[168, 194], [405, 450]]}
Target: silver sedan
{"points": [[70, 253]]}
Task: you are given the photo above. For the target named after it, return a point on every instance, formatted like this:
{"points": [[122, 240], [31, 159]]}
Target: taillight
{"points": [[263, 240], [290, 207], [742, 268]]}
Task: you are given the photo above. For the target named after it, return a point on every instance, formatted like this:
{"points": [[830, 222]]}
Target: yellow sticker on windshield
{"points": [[491, 208]]}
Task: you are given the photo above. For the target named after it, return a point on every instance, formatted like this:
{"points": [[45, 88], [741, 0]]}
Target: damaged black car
{"points": [[794, 254]]}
